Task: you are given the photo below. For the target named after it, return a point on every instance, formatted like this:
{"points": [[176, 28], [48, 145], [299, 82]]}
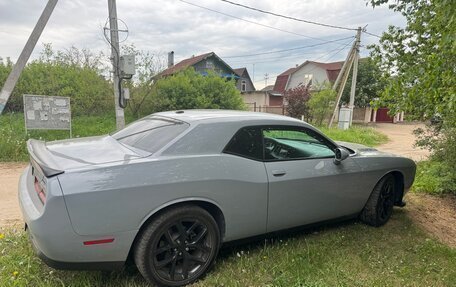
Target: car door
{"points": [[305, 185]]}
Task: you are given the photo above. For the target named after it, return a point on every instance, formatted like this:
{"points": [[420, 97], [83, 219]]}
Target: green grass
{"points": [[347, 254], [13, 136], [356, 134]]}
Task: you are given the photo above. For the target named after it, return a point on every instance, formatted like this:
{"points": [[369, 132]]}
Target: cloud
{"points": [[161, 26]]}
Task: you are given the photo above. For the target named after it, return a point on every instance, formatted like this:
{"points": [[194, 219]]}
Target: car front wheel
{"points": [[178, 247], [379, 207]]}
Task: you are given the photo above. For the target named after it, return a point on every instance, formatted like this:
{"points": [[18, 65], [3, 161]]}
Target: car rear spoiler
{"points": [[41, 158]]}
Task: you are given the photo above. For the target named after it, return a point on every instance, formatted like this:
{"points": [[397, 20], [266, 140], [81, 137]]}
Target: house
{"points": [[315, 74], [244, 83], [308, 73], [209, 62]]}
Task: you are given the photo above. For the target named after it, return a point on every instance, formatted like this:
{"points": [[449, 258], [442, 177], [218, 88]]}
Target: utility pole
{"points": [[13, 77], [342, 79], [266, 77], [115, 55], [351, 104]]}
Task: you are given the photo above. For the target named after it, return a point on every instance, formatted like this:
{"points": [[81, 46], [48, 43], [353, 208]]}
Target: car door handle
{"points": [[278, 172]]}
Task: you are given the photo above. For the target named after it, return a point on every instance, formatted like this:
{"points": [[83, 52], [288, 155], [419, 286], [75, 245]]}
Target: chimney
{"points": [[170, 59]]}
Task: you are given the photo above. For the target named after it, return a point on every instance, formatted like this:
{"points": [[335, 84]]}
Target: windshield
{"points": [[150, 133]]}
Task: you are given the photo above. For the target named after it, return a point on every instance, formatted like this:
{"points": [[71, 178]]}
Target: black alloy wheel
{"points": [[386, 200], [178, 247], [379, 206], [182, 250]]}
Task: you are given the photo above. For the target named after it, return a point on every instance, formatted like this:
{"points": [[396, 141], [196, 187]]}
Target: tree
{"points": [[296, 100], [321, 104], [418, 63], [191, 90], [63, 74], [369, 84]]}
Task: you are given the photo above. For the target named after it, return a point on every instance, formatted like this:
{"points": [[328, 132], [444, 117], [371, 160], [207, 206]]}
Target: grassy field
{"points": [[344, 254], [13, 136]]}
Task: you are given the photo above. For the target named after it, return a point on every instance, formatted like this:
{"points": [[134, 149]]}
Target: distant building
{"points": [[210, 62], [244, 83], [309, 73]]}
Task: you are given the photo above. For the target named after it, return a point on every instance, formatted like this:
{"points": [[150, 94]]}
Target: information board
{"points": [[46, 112]]}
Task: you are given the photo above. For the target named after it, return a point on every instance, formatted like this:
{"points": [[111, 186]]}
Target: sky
{"points": [[160, 26]]}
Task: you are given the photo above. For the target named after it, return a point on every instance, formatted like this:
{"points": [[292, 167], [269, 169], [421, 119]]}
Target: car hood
{"points": [[356, 147], [75, 153]]}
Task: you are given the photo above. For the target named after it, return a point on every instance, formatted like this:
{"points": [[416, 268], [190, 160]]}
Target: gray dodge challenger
{"points": [[170, 188]]}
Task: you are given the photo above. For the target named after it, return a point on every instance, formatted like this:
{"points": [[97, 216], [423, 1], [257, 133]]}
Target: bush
{"points": [[191, 90], [321, 105], [51, 75], [434, 177], [296, 100]]}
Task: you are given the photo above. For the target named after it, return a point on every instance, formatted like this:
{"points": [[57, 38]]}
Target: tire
{"points": [[379, 206], [178, 247]]}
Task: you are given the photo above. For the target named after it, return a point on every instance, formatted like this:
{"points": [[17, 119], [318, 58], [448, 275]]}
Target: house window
{"points": [[243, 86], [209, 65], [308, 79]]}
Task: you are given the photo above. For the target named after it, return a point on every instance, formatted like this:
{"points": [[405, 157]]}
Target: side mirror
{"points": [[341, 154]]}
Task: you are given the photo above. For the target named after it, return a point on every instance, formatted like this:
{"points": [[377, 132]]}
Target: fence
{"points": [[278, 110]]}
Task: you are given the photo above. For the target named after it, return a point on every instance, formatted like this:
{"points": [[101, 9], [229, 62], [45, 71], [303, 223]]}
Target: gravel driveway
{"points": [[401, 140]]}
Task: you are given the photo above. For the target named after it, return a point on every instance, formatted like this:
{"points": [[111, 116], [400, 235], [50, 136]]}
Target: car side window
{"points": [[291, 144], [247, 142]]}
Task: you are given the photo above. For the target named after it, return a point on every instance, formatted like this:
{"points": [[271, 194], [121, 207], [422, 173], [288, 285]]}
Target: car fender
{"points": [[177, 201]]}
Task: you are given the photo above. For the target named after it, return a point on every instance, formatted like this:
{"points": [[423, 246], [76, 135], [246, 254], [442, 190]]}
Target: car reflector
{"points": [[100, 241], [40, 191]]}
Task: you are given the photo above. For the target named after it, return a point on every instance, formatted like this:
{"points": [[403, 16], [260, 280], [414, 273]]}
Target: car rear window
{"points": [[150, 133]]}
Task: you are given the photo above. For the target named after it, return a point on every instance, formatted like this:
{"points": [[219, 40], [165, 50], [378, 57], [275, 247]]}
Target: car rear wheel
{"points": [[178, 247], [379, 207]]}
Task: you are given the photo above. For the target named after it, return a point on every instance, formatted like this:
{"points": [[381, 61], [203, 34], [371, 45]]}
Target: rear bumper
{"points": [[52, 235], [114, 265]]}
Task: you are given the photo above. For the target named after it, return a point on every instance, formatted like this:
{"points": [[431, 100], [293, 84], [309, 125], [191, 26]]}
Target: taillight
{"points": [[40, 191]]}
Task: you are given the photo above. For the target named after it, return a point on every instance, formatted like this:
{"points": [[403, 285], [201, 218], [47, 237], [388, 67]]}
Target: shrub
{"points": [[296, 100]]}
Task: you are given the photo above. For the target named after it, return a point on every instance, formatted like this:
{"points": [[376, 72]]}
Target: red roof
{"points": [[184, 64], [282, 79]]}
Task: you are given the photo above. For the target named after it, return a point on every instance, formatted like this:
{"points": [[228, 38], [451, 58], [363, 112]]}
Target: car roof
{"points": [[190, 116]]}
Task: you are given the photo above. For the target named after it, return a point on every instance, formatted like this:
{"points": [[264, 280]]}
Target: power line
{"points": [[324, 55], [252, 22], [371, 34], [289, 17], [287, 50]]}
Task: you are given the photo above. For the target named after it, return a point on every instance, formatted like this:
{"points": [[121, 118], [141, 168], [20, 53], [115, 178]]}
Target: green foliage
{"points": [[73, 74], [191, 90], [369, 84], [321, 104], [418, 63], [351, 254], [356, 134], [434, 177]]}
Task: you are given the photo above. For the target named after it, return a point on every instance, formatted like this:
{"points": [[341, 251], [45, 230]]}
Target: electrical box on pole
{"points": [[127, 66]]}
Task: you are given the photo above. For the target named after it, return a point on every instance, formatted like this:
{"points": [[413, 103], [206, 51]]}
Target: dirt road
{"points": [[9, 207], [401, 140]]}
